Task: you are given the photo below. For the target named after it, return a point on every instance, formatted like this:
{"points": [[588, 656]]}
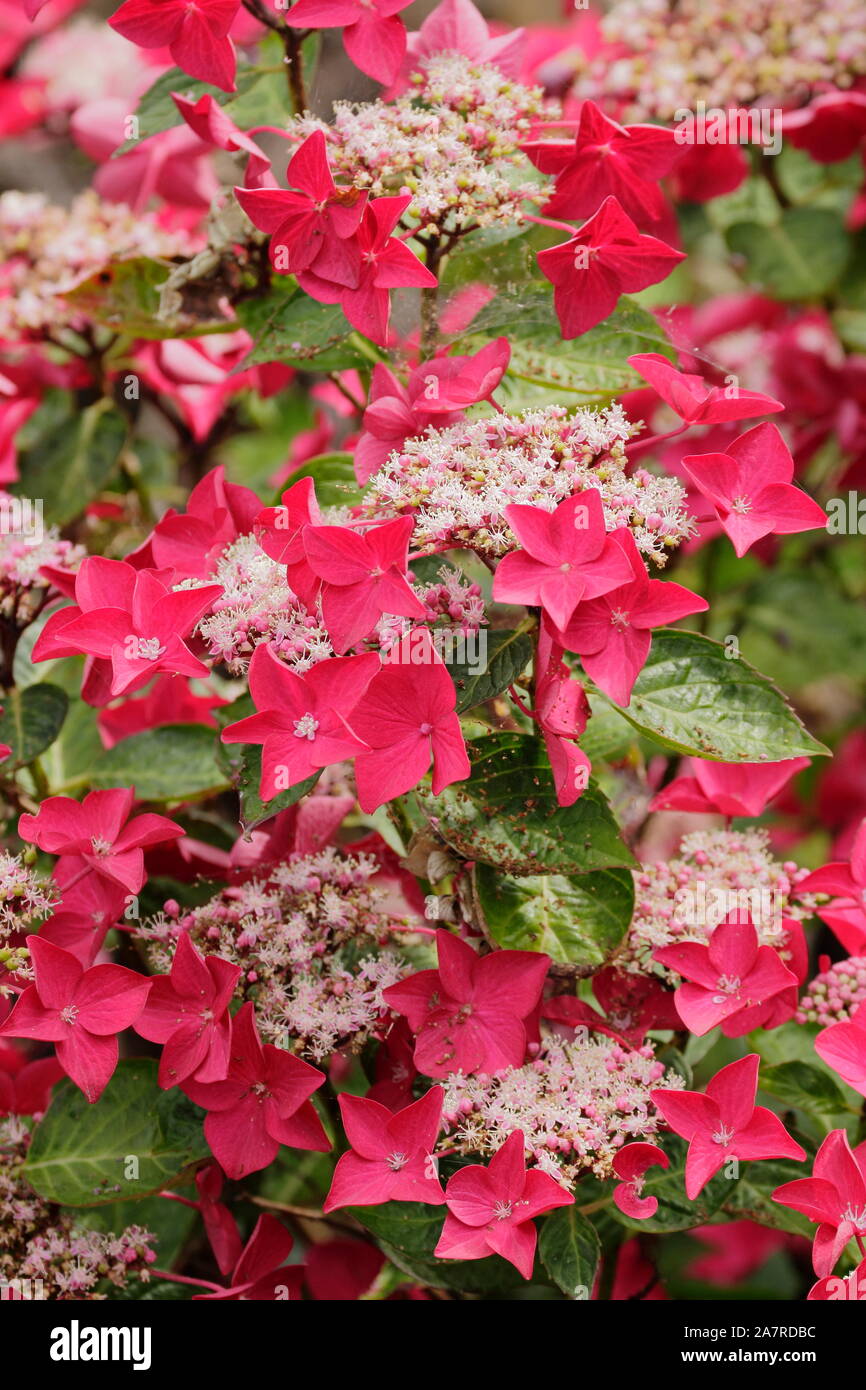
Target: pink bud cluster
{"points": [[451, 142], [50, 249], [715, 872], [25, 898], [458, 481], [40, 1241], [310, 939], [576, 1102], [257, 605], [452, 602], [835, 994], [112, 70], [25, 901], [724, 52], [23, 588]]}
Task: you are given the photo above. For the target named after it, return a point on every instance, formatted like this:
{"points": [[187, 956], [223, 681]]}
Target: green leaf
{"points": [[334, 476], [253, 810], [608, 735], [793, 1042], [506, 814], [80, 1153], [503, 256], [751, 1196], [850, 324], [849, 317], [577, 921], [287, 326], [690, 697], [68, 760], [697, 1048], [71, 757], [754, 203], [424, 569], [260, 99], [296, 1177], [798, 626], [31, 720], [776, 1279], [262, 96], [852, 290], [125, 296], [172, 763], [591, 367], [157, 112], [804, 181], [570, 1251], [156, 1291], [505, 655], [675, 1061], [69, 455], [407, 1233], [801, 257], [258, 452], [806, 1087], [25, 671]]}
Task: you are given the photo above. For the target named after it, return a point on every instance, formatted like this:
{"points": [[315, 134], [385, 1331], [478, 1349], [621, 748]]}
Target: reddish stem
{"points": [[184, 1201], [521, 706], [185, 1279], [82, 873], [269, 130], [424, 554], [425, 931], [641, 446], [549, 222]]}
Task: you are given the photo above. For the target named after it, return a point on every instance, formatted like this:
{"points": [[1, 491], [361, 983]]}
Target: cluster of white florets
{"points": [[257, 605], [25, 901], [576, 1102], [452, 604], [314, 943], [24, 550], [726, 53], [451, 142], [48, 250], [83, 61], [456, 482], [715, 873]]}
